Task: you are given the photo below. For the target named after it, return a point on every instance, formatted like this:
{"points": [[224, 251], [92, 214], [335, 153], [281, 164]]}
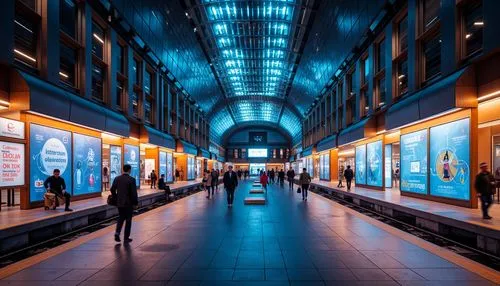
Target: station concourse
{"points": [[361, 139]]}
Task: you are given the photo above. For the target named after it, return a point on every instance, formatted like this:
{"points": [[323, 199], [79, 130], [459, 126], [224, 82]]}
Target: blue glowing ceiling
{"points": [[253, 47]]}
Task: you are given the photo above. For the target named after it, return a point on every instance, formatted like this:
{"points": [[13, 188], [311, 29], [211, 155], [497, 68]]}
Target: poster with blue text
{"points": [[388, 166], [360, 174], [374, 164], [163, 164], [413, 171], [115, 158], [86, 164], [449, 160], [170, 175], [131, 157], [49, 149]]}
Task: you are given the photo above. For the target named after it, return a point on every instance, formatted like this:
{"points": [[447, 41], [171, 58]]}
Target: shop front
{"points": [[185, 160], [328, 158], [202, 162], [308, 160], [156, 154]]}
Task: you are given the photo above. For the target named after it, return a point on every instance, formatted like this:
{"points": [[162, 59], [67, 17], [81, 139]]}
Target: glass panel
{"points": [[98, 40], [473, 21], [119, 93], [381, 91], [68, 62], [136, 72], [148, 114], [25, 40], [432, 53], [380, 55], [402, 79], [121, 59], [403, 34], [431, 12], [135, 103], [148, 87], [68, 17], [30, 4], [97, 83]]}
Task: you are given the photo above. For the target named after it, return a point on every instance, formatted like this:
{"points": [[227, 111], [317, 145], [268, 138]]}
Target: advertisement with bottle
{"points": [[50, 149], [374, 164], [115, 162], [131, 157], [86, 164], [450, 160], [414, 165], [360, 173], [170, 173], [12, 164], [163, 165]]}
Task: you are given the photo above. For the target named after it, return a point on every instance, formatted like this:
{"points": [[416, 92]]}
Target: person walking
{"points": [[348, 175], [105, 178], [177, 175], [230, 183], [304, 181], [264, 180], [125, 191], [485, 188], [273, 176], [290, 174], [341, 177], [239, 174], [207, 183], [153, 179], [281, 178], [56, 185], [214, 179]]}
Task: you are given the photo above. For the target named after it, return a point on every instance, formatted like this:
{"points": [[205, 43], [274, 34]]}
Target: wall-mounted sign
{"points": [[414, 162], [11, 164], [257, 137], [86, 164], [374, 164], [11, 128]]}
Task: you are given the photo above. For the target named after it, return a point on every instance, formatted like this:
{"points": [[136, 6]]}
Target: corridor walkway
{"points": [[196, 241]]}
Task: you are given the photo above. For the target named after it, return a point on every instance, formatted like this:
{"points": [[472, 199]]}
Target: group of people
{"points": [[348, 175], [211, 181], [245, 174]]}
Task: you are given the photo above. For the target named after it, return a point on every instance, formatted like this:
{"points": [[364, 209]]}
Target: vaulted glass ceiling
{"points": [[253, 48]]}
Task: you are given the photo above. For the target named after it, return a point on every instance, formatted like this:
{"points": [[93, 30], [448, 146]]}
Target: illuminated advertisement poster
{"points": [[449, 160], [190, 167], [49, 149], [131, 157], [310, 168], [86, 164], [170, 175], [360, 174], [374, 164], [324, 166], [12, 164], [149, 166], [163, 164], [115, 159], [321, 167], [413, 172], [388, 166]]}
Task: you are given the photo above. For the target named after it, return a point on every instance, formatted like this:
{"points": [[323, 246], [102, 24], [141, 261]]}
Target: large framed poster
{"points": [[190, 168], [450, 160], [115, 162], [374, 164], [360, 174], [170, 174], [131, 157], [12, 164], [413, 171], [163, 164], [50, 149], [87, 164], [388, 166]]}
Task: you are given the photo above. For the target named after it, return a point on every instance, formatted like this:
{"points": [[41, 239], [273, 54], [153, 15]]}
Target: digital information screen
{"points": [[414, 165], [374, 164], [257, 153], [450, 160], [360, 174]]}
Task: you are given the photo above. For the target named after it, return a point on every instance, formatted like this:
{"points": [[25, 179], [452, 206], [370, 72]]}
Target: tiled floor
{"points": [[196, 241], [13, 216], [472, 216]]}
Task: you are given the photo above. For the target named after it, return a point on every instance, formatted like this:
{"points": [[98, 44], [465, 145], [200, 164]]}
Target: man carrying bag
{"points": [[124, 190]]}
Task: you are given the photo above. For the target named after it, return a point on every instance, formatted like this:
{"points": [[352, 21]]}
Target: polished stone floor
{"points": [[196, 241]]}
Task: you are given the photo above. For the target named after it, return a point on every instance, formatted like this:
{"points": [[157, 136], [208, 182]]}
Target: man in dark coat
{"points": [[348, 175], [230, 184], [125, 191], [56, 185], [485, 188], [290, 175]]}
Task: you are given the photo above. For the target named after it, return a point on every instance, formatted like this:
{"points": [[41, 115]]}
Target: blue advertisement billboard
{"points": [[190, 168], [413, 172], [374, 164], [49, 149], [163, 164], [388, 166], [170, 174], [115, 158], [131, 157], [360, 174], [87, 164], [450, 160]]}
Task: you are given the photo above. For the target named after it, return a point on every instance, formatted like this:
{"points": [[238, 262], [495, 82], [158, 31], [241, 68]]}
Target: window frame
{"points": [[425, 34], [379, 74], [122, 103], [34, 17], [462, 7], [101, 63], [75, 44], [398, 56]]}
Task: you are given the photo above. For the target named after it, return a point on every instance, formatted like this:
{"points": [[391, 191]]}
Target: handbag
{"points": [[299, 190], [112, 200]]}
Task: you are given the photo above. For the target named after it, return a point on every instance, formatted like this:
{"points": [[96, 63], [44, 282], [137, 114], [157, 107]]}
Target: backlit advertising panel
{"points": [[131, 157], [50, 149], [170, 175], [115, 162], [163, 164], [450, 160], [11, 164], [360, 174], [388, 166], [414, 165], [86, 164], [374, 164]]}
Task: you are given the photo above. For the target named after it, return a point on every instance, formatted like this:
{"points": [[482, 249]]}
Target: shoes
{"points": [[128, 240], [68, 210], [302, 198], [487, 217], [306, 199], [117, 238]]}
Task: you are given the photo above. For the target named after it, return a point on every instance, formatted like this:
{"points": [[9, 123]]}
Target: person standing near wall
{"points": [[485, 188], [348, 175]]}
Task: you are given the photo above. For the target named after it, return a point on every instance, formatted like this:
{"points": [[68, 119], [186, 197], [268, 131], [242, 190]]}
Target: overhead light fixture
{"points": [[479, 23], [488, 96], [98, 38], [24, 55], [63, 75]]}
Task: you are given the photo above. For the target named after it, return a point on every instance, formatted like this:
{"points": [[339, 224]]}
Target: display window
{"points": [[190, 168], [374, 164], [324, 166], [360, 170]]}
